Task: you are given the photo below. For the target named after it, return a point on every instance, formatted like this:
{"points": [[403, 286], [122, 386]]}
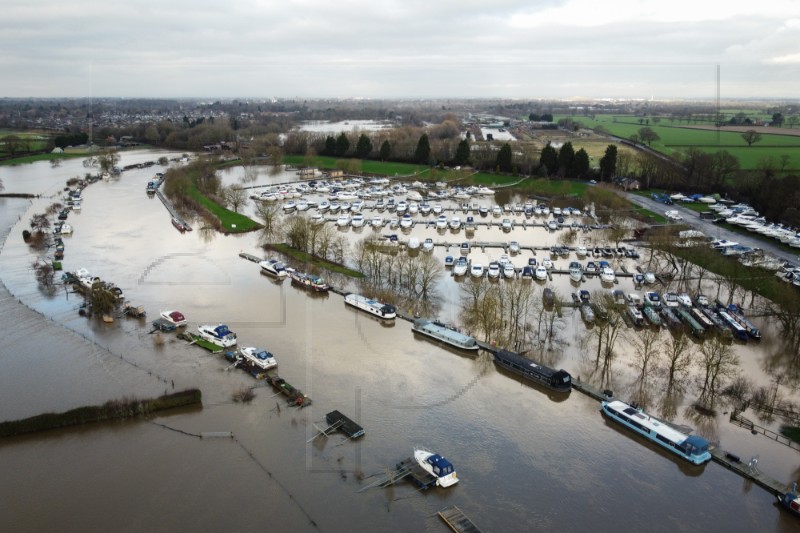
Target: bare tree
{"points": [[235, 197], [269, 213], [45, 275], [677, 355], [718, 363]]}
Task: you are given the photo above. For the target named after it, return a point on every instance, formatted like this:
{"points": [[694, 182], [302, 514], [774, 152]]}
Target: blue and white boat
{"points": [[257, 359], [436, 465], [219, 335], [273, 268], [373, 307], [690, 447]]}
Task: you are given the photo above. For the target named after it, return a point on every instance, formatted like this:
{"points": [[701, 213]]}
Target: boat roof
{"points": [[443, 331], [523, 361], [653, 423], [438, 460]]}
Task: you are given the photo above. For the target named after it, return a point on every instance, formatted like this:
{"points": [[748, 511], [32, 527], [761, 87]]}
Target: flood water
{"points": [[526, 460]]}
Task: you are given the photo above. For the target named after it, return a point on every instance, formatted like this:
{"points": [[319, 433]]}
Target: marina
{"points": [[533, 415]]}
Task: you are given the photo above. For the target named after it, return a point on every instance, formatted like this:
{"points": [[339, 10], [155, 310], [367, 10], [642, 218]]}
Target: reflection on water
{"points": [[525, 461]]}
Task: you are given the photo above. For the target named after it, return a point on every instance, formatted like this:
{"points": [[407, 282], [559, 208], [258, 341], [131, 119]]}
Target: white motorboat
{"points": [[649, 278], [441, 222], [427, 245], [219, 335], [258, 358], [476, 271], [484, 191], [494, 270], [406, 222], [357, 221], [607, 275], [437, 466], [506, 224], [455, 223], [575, 272], [509, 271], [343, 221], [581, 251], [317, 219], [540, 273], [175, 318], [273, 268], [460, 267], [413, 243], [377, 221]]}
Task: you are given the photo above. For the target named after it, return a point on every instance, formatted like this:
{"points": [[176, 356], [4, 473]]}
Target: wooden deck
{"points": [[751, 473], [457, 520]]}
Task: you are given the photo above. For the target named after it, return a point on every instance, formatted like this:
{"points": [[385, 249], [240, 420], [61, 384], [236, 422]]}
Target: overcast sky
{"points": [[400, 48]]}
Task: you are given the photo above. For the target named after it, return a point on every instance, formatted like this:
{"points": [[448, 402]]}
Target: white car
{"points": [[476, 271]]}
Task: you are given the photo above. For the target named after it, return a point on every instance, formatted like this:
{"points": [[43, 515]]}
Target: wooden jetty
{"points": [[591, 391], [457, 520], [339, 422], [407, 468], [748, 471], [250, 257]]}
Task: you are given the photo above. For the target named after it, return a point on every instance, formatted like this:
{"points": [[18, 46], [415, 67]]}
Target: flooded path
{"points": [[525, 460]]}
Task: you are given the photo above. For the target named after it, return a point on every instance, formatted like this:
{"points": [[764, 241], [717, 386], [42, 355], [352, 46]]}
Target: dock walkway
{"points": [[748, 471], [457, 520]]}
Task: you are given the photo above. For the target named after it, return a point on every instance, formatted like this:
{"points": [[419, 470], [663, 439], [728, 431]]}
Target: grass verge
{"points": [[308, 258]]}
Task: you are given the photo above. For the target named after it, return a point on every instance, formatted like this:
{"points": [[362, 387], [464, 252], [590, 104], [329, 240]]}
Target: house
{"points": [[626, 184]]}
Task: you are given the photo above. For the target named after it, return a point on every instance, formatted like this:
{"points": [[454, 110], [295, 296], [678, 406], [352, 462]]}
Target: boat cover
{"points": [[441, 466]]}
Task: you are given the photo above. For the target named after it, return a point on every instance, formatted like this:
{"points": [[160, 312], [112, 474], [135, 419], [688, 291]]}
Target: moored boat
{"points": [[438, 331], [308, 281], [219, 335], [790, 501], [175, 318], [557, 380], [373, 307], [256, 360], [692, 448], [273, 268], [437, 466]]}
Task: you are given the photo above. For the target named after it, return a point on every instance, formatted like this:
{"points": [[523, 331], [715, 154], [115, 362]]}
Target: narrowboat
{"points": [[373, 307], [692, 448], [440, 332], [557, 380]]}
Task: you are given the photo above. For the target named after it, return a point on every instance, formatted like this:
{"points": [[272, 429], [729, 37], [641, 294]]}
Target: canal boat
{"points": [[670, 319], [308, 282], [436, 465], [652, 316], [689, 320], [738, 331], [557, 380], [692, 448], [635, 314], [448, 335], [273, 268], [219, 335], [748, 326], [175, 318], [373, 307], [587, 313]]}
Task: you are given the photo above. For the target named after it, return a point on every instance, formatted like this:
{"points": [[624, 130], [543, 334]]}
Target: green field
{"points": [[384, 168], [675, 138]]}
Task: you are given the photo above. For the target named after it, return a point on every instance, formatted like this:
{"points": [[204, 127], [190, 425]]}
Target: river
{"points": [[526, 461]]}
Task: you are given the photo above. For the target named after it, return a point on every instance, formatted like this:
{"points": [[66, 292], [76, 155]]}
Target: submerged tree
{"points": [[718, 364], [270, 215]]}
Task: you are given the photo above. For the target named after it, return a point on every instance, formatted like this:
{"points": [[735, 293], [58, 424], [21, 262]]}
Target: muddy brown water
{"points": [[526, 461]]}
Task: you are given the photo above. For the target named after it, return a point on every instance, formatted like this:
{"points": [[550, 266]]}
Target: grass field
{"points": [[385, 168], [675, 138]]}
